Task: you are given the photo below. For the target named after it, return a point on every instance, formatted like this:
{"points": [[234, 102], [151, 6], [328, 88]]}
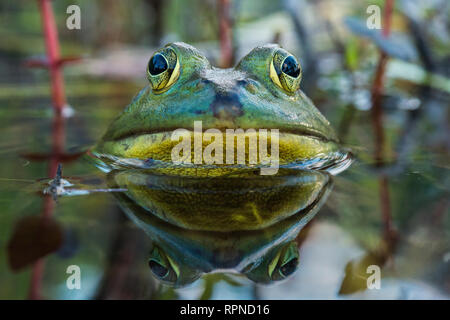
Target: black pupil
{"points": [[289, 267], [159, 270], [291, 67], [157, 64]]}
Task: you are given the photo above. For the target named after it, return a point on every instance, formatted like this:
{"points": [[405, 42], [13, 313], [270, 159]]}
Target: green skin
{"points": [[264, 254], [243, 97]]}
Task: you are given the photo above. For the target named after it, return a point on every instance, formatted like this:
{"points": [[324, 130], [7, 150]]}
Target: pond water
{"points": [[345, 227]]}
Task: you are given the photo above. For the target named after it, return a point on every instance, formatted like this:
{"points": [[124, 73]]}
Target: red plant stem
{"points": [[378, 87], [385, 202], [377, 123], [388, 8], [37, 272], [53, 55], [58, 133], [377, 110], [225, 34]]}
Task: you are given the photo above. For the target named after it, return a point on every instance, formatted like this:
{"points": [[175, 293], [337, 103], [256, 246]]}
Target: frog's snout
{"points": [[226, 105]]}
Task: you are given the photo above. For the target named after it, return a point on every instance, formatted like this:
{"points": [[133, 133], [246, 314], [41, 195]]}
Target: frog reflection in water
{"points": [[186, 248], [204, 217]]}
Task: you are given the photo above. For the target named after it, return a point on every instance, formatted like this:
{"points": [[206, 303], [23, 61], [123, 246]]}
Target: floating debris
{"points": [[62, 187]]}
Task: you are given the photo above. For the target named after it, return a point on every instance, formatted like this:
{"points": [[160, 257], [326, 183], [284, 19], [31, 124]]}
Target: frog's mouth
{"points": [[217, 152]]}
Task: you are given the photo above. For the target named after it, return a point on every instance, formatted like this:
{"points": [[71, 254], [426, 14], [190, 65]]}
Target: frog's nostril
{"points": [[250, 87], [226, 106]]}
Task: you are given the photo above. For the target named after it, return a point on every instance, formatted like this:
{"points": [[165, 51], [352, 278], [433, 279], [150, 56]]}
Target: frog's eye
{"points": [[162, 266], [163, 69], [285, 263], [285, 71]]}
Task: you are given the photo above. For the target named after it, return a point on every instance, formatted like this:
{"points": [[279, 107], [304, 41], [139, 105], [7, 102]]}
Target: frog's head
{"points": [[261, 92]]}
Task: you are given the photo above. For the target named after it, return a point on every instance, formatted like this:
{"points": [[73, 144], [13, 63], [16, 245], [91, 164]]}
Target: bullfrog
{"points": [[261, 93]]}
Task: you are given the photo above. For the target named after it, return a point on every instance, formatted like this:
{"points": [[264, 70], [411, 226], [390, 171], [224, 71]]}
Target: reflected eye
{"points": [[163, 69], [289, 267], [162, 266], [285, 71], [285, 263], [277, 264]]}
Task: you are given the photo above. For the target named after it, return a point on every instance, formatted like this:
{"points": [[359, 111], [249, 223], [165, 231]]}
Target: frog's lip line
{"points": [[304, 132]]}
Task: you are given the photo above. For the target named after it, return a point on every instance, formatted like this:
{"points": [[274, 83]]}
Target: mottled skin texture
{"points": [[243, 97], [242, 201]]}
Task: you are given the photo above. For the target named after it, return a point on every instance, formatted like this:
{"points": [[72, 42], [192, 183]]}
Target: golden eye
{"points": [[285, 71], [163, 69]]}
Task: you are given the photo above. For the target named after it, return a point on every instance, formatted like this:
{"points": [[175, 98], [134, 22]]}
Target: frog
{"points": [[261, 92]]}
